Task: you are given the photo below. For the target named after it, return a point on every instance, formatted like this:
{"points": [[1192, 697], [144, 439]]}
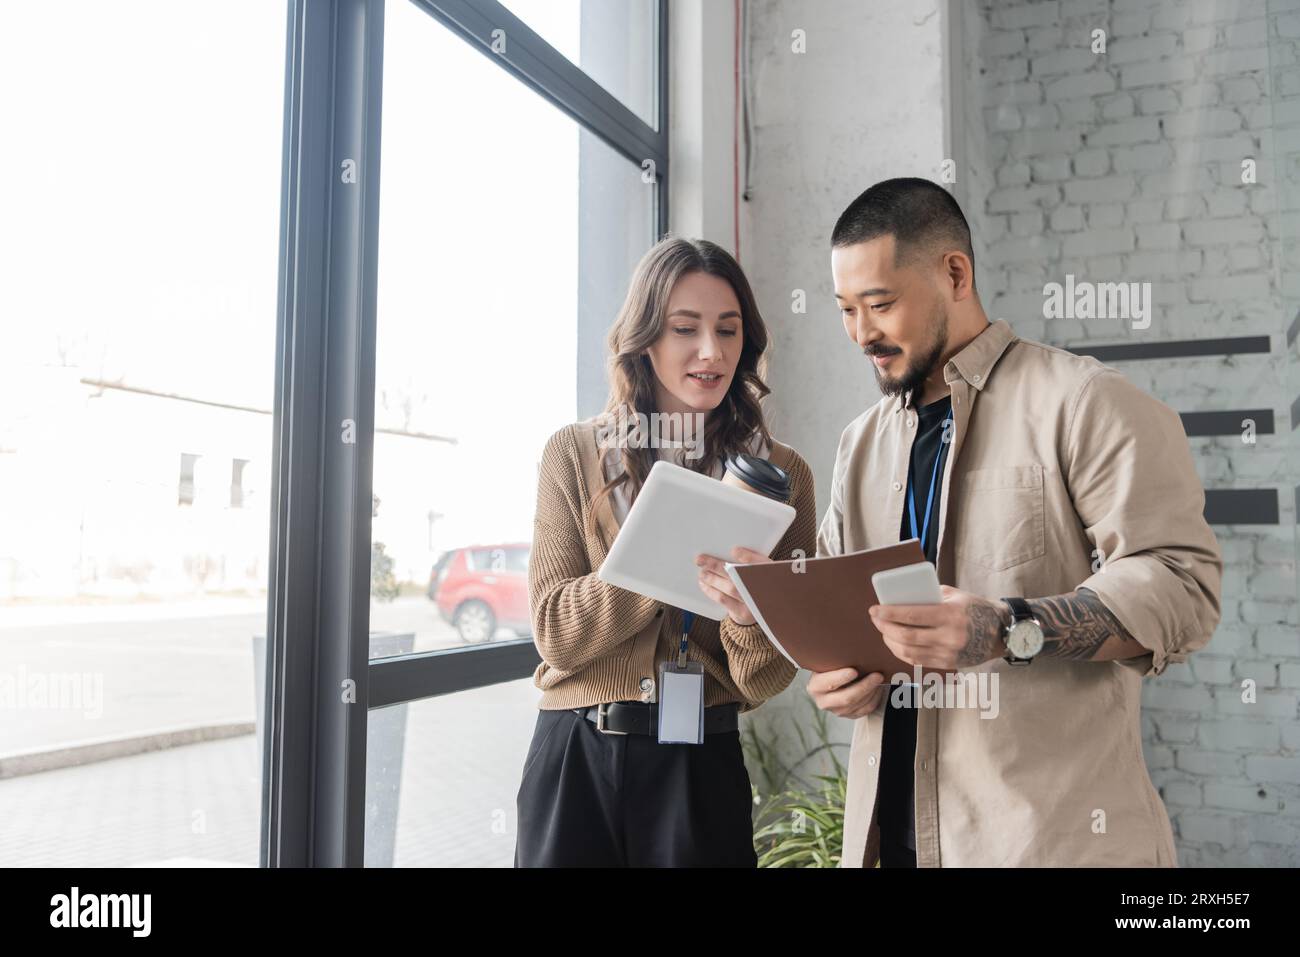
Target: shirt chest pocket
{"points": [[1002, 517]]}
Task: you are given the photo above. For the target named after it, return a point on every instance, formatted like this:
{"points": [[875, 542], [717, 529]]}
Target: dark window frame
{"points": [[321, 681]]}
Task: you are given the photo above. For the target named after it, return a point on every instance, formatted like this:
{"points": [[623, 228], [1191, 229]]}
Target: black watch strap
{"points": [[1019, 612], [1019, 609]]}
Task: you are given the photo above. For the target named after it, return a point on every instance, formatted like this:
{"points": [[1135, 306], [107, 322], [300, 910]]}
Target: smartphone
{"points": [[908, 585]]}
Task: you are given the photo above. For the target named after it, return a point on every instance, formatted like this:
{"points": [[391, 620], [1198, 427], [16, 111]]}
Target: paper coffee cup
{"points": [[758, 475]]}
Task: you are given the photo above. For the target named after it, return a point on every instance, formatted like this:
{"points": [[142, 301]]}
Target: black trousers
{"points": [[589, 799]]}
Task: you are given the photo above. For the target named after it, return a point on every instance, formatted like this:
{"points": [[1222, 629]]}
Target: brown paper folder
{"points": [[818, 617]]}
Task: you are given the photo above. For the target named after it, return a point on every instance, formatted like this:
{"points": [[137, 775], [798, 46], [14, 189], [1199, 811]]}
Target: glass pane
{"points": [[442, 775], [504, 230], [612, 41], [138, 258]]}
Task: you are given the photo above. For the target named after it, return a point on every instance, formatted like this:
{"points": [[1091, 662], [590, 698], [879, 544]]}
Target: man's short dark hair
{"points": [[922, 217]]}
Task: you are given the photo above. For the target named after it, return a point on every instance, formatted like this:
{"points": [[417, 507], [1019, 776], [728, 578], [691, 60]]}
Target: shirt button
{"points": [[897, 486], [975, 378], [923, 765], [957, 399], [871, 760], [647, 684], [910, 422]]}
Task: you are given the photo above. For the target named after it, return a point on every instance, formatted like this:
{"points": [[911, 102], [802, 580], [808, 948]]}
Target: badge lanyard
{"points": [[929, 500], [681, 694], [688, 619]]}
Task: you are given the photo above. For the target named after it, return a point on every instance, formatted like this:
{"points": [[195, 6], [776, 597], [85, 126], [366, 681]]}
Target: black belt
{"points": [[637, 717]]}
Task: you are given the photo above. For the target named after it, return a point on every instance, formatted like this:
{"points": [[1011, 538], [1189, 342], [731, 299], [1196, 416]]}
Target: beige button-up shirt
{"points": [[1061, 474]]}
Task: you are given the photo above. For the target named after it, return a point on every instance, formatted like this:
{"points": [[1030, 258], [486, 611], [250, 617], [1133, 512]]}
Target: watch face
{"points": [[1025, 639]]}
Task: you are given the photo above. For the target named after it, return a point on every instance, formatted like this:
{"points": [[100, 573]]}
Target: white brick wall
{"points": [[1126, 166]]}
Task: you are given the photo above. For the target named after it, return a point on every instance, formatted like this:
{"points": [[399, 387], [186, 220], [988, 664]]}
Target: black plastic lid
{"points": [[761, 475]]}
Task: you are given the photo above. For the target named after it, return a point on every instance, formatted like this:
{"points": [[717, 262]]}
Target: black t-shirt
{"points": [[898, 750]]}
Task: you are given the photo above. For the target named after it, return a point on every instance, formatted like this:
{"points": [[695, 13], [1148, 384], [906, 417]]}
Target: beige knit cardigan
{"points": [[601, 643]]}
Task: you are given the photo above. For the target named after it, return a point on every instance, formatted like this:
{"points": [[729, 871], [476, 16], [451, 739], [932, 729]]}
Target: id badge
{"points": [[681, 703]]}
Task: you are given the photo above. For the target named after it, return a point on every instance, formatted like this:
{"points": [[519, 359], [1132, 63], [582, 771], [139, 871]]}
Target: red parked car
{"points": [[482, 587]]}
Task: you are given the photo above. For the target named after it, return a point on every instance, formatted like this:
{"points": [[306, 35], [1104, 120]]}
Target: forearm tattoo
{"points": [[1075, 626], [984, 629]]}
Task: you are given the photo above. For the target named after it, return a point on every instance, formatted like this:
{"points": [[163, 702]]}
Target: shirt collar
{"points": [[975, 361]]}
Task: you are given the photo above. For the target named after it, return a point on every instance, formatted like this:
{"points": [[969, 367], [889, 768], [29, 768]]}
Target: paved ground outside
{"points": [[164, 667]]}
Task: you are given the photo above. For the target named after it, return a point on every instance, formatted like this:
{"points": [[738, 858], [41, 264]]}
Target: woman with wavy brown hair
{"points": [[598, 789]]}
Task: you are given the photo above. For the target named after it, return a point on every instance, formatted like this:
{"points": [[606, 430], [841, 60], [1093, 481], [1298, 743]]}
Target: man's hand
{"points": [[717, 584], [962, 631], [843, 693]]}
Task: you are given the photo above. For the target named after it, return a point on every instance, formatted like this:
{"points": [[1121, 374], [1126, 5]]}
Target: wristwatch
{"points": [[1024, 636]]}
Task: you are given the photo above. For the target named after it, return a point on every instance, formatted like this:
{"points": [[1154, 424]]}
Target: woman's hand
{"points": [[717, 584], [843, 693]]}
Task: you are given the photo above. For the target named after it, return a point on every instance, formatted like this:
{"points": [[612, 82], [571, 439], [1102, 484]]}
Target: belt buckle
{"points": [[601, 713]]}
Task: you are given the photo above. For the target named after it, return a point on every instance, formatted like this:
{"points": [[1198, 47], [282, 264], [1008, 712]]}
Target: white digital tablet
{"points": [[679, 514]]}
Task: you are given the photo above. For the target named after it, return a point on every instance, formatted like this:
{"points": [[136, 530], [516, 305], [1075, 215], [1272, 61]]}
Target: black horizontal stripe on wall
{"points": [[1241, 506], [1173, 348], [1227, 422]]}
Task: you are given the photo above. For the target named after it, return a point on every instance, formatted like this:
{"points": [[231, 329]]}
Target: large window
{"points": [[268, 505], [138, 223], [508, 231]]}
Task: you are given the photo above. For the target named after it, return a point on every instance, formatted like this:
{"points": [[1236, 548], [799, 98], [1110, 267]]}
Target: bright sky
{"points": [[141, 217], [142, 205]]}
